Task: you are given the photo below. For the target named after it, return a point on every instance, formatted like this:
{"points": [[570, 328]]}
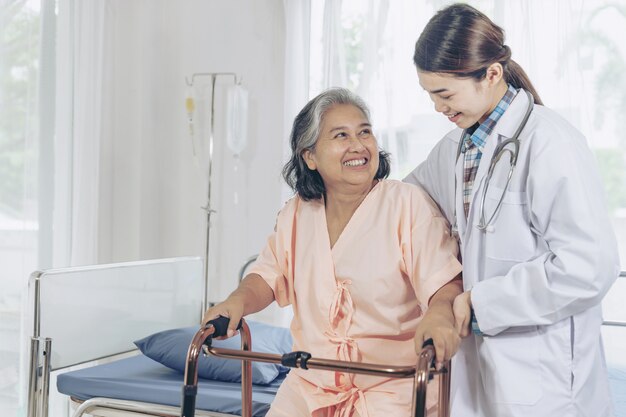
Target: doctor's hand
{"points": [[462, 308], [231, 308], [438, 324]]}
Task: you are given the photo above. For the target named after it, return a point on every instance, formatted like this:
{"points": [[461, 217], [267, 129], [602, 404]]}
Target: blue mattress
{"points": [[141, 379]]}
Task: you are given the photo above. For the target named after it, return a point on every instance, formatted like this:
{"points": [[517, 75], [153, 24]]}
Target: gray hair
{"points": [[304, 135]]}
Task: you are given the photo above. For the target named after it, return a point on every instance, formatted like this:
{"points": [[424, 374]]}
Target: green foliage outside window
{"points": [[613, 171], [19, 39]]}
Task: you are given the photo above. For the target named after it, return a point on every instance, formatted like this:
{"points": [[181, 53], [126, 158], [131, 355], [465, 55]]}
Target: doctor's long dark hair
{"points": [[462, 41]]}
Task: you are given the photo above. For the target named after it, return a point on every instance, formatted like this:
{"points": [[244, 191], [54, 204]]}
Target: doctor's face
{"points": [[464, 101], [346, 152]]}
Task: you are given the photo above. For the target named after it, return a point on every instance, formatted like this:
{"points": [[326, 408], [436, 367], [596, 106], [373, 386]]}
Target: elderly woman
{"points": [[368, 265]]}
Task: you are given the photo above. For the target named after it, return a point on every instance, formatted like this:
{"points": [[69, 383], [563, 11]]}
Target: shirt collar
{"points": [[477, 135]]}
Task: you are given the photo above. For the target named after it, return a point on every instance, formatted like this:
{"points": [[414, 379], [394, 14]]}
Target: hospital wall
{"points": [[151, 188]]}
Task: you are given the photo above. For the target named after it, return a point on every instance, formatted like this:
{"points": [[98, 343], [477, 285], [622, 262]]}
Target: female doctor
{"points": [[522, 190]]}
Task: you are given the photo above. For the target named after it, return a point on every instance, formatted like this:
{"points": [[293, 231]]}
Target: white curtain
{"points": [[89, 113], [373, 47], [29, 175], [297, 55], [368, 48], [333, 46]]}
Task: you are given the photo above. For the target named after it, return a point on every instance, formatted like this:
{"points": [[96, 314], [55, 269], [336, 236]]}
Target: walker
{"points": [[421, 373]]}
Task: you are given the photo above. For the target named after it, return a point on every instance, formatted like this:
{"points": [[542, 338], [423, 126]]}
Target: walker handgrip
{"points": [[428, 342], [296, 359], [221, 326]]}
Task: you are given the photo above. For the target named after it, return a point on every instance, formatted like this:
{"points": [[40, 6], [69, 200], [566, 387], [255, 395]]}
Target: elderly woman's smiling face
{"points": [[346, 152]]}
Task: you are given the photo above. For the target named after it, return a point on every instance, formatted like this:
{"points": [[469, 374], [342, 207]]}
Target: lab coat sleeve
{"points": [[424, 175], [436, 175], [568, 213]]}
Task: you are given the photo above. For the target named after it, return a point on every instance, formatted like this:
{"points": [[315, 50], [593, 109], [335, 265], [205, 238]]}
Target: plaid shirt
{"points": [[474, 141]]}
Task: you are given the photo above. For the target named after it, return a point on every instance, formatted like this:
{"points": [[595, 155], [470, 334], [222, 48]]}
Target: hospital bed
{"points": [[94, 313]]}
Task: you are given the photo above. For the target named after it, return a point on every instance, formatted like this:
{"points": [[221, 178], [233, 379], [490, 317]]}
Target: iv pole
{"points": [[208, 208]]}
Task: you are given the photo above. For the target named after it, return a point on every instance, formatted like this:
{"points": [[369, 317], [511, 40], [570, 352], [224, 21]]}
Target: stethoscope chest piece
{"points": [[454, 232]]}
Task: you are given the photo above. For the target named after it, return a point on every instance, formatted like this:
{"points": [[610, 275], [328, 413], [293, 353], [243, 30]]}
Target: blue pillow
{"points": [[170, 347]]}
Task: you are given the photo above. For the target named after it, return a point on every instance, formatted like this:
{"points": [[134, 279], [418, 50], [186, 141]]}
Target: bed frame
{"points": [[110, 304]]}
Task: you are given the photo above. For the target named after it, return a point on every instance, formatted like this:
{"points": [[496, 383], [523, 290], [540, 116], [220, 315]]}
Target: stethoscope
{"points": [[510, 147]]}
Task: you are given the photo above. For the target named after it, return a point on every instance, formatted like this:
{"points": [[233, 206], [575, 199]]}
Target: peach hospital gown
{"points": [[360, 300]]}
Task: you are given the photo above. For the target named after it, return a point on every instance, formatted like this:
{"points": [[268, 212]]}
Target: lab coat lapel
{"points": [[512, 117], [485, 160], [504, 129], [461, 221]]}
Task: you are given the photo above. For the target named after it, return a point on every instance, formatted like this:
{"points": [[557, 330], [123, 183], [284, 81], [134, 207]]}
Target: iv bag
{"points": [[236, 118]]}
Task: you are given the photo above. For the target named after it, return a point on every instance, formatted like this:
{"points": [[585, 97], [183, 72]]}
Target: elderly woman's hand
{"points": [[439, 324], [252, 295], [232, 308]]}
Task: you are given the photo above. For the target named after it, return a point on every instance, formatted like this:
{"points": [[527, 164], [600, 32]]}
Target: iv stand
{"points": [[209, 210]]}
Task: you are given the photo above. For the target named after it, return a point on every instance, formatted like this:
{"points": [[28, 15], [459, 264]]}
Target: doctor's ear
{"points": [[494, 73]]}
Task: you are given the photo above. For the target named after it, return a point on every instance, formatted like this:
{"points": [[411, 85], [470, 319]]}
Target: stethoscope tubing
{"points": [[500, 150], [482, 224]]}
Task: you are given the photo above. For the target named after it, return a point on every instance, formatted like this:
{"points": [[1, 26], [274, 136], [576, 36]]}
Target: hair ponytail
{"points": [[462, 41], [515, 75]]}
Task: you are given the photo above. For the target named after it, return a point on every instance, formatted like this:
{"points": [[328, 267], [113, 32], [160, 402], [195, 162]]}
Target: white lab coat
{"points": [[538, 278]]}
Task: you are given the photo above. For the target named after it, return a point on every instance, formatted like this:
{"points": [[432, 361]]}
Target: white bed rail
{"points": [[612, 306], [83, 314], [141, 408]]}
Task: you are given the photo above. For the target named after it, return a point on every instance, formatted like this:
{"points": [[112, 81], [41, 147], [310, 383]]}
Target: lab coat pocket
{"points": [[510, 236], [510, 367]]}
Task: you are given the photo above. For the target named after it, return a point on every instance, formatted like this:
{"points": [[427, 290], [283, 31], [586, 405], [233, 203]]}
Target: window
{"points": [[19, 221]]}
